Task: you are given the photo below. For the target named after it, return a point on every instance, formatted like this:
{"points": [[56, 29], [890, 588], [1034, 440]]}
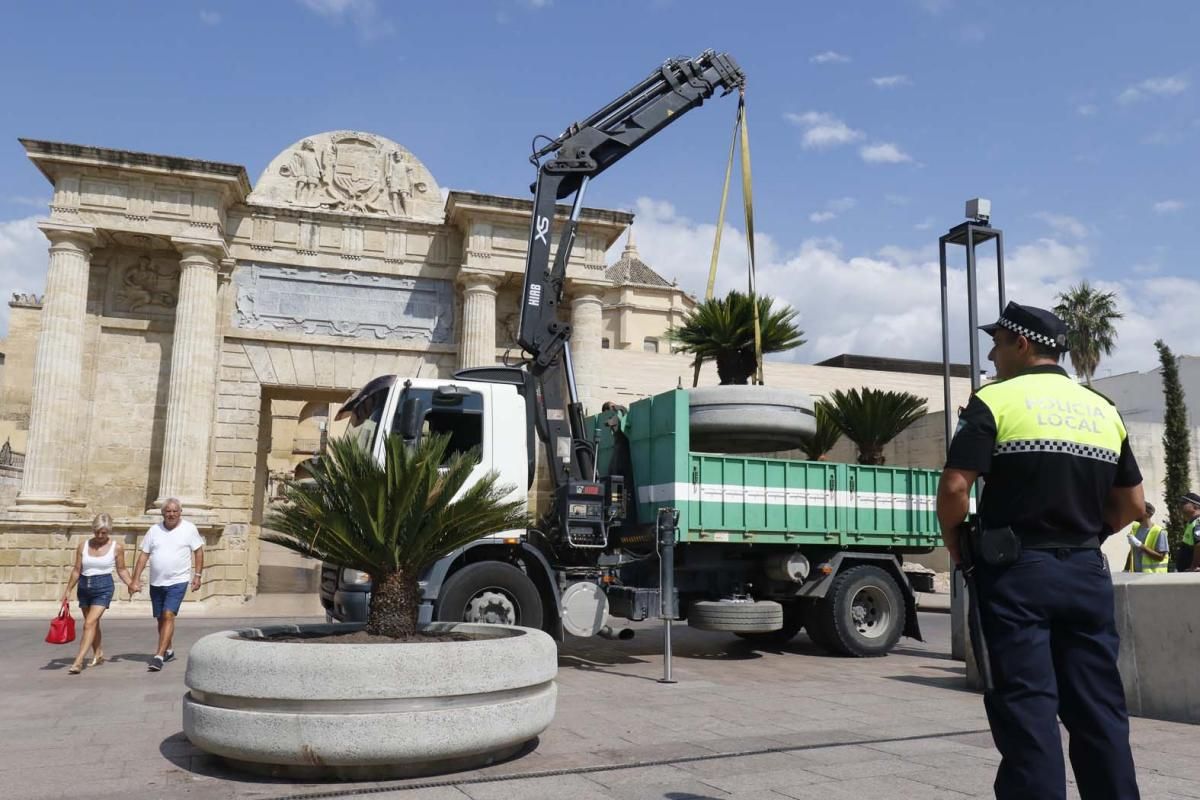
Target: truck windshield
{"points": [[459, 414], [365, 421]]}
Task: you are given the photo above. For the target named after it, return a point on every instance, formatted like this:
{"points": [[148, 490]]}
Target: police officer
{"points": [[1185, 554], [1059, 476]]}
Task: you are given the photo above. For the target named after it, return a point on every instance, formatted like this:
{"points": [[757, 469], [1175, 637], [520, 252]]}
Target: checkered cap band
{"points": [[1021, 330], [1057, 446]]}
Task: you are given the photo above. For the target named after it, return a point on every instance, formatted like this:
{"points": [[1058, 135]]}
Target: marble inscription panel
{"points": [[342, 303]]}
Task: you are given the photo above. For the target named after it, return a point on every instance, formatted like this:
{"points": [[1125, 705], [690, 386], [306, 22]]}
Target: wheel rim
{"points": [[871, 612], [492, 606]]}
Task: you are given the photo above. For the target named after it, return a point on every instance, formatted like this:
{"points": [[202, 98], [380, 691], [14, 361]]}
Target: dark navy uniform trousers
{"points": [[1049, 624]]}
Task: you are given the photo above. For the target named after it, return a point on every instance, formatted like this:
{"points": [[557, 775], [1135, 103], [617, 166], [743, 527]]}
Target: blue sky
{"points": [[871, 123]]}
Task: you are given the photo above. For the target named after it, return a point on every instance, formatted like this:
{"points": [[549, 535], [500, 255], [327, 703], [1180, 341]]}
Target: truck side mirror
{"points": [[410, 418]]}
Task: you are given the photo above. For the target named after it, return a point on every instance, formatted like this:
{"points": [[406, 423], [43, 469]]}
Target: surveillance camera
{"points": [[979, 209]]}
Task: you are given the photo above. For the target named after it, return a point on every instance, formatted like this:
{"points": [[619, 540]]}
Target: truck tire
{"points": [[490, 591], [793, 621], [862, 614], [762, 616]]}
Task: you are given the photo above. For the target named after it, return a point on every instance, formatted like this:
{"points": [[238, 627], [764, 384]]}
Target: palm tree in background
{"points": [[721, 329], [827, 435], [872, 417], [391, 520], [1089, 314]]}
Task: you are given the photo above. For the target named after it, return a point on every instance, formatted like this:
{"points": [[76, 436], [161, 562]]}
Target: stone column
{"points": [[192, 389], [50, 459], [477, 345], [586, 330]]}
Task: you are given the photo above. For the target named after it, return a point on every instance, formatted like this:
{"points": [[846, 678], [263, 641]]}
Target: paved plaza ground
{"points": [[740, 723]]}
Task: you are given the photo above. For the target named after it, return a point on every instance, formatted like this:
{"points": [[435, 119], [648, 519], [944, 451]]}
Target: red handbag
{"points": [[62, 627]]}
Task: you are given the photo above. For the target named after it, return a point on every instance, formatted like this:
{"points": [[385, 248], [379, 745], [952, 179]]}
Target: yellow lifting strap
{"points": [[741, 135]]}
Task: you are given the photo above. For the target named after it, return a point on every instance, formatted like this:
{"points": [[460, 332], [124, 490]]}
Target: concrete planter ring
{"points": [[369, 711], [749, 419]]}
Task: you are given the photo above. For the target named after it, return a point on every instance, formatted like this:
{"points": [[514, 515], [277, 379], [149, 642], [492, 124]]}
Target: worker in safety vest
{"points": [[1059, 477], [1187, 555], [1148, 547]]}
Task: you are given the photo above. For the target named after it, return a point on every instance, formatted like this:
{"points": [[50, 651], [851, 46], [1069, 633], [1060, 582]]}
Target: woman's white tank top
{"points": [[102, 564]]}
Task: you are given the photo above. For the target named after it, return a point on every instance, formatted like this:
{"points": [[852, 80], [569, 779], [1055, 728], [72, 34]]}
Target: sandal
{"points": [[75, 669], [97, 660]]}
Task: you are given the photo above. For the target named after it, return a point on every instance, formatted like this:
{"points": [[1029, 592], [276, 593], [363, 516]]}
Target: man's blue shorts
{"points": [[168, 598]]}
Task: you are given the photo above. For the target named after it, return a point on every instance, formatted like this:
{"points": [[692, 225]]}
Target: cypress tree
{"points": [[1176, 442]]}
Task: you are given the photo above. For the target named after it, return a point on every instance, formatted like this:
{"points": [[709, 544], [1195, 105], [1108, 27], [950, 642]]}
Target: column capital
{"points": [[480, 280], [211, 250], [69, 234], [585, 289]]}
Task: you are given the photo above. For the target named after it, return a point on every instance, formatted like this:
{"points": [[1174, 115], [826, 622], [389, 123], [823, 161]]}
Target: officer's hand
{"points": [[1133, 540]]}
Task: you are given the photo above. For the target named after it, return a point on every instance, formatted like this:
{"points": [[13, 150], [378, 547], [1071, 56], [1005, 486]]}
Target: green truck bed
{"points": [[724, 498]]}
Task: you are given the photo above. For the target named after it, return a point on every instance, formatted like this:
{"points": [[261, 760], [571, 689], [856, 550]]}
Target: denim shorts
{"points": [[167, 598], [95, 590]]}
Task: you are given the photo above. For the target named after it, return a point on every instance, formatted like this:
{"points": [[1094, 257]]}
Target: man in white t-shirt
{"points": [[175, 552]]}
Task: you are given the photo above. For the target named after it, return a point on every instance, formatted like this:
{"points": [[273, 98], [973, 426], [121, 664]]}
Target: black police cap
{"points": [[1035, 324]]}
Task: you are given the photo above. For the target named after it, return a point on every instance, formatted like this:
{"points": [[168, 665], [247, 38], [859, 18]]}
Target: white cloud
{"points": [[891, 81], [1086, 110], [1154, 87], [823, 130], [897, 199], [833, 209], [924, 224], [830, 57], [363, 13], [210, 17], [1168, 206], [884, 153], [1064, 224], [887, 302], [23, 262]]}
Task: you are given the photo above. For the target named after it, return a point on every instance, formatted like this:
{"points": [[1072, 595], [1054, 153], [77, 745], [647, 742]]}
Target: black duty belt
{"points": [[1058, 541]]}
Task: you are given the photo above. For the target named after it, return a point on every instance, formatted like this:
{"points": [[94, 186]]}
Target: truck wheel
{"points": [[762, 616], [862, 613], [793, 621], [490, 591]]}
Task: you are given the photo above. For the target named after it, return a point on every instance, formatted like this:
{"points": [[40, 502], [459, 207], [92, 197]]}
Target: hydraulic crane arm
{"points": [[583, 151]]}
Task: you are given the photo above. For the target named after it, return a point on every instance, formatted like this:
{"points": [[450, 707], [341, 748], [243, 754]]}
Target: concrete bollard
{"points": [[1160, 644]]}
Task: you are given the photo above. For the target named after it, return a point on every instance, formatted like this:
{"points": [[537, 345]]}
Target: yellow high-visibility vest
{"points": [[1148, 564]]}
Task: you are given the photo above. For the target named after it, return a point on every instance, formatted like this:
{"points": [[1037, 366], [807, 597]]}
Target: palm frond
{"points": [[1089, 314], [400, 516], [872, 417], [721, 329], [827, 435]]}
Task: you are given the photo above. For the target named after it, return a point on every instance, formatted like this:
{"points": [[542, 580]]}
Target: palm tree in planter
{"points": [[721, 329], [391, 520], [872, 417], [827, 435]]}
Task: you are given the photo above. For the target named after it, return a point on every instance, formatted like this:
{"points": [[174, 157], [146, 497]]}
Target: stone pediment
{"points": [[353, 172]]}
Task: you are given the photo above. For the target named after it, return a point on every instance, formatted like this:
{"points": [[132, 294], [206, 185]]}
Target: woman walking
{"points": [[94, 563]]}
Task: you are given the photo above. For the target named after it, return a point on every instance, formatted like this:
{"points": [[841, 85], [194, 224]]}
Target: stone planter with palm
{"points": [[391, 697]]}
